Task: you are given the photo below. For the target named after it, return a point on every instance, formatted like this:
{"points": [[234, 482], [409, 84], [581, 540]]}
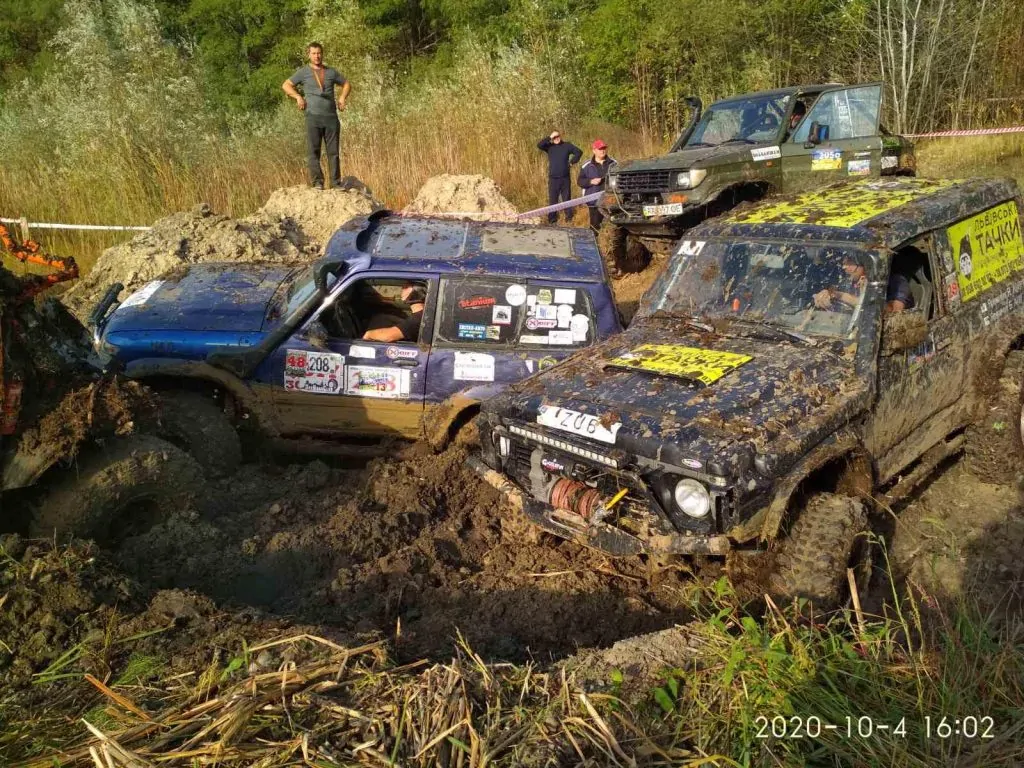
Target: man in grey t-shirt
{"points": [[317, 100]]}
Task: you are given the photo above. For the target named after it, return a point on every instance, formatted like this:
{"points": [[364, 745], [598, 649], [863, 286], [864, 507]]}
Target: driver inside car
{"points": [[898, 295], [395, 329]]}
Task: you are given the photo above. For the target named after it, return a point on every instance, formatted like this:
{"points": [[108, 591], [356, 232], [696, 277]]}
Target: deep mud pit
{"points": [[417, 550]]}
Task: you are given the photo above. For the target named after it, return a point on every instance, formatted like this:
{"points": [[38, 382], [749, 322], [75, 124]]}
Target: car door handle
{"points": [[405, 362]]}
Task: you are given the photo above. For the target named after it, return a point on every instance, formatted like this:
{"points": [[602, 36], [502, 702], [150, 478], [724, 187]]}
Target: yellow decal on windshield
{"points": [[987, 249], [845, 206], [704, 365]]}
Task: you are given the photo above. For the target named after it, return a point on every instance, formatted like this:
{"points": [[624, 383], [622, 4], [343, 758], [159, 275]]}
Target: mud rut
{"points": [[417, 549]]}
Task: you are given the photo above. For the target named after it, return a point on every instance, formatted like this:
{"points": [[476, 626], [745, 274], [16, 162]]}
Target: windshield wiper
{"points": [[738, 138], [691, 321], [699, 144], [777, 329]]}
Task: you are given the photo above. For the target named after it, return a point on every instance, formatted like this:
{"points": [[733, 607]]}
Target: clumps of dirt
{"points": [[318, 214], [294, 225], [54, 600], [471, 196], [629, 288], [416, 548]]}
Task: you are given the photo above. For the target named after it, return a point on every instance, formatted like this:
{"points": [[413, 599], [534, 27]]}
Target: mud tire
{"points": [[611, 242], [196, 423], [90, 497], [811, 561], [995, 442]]}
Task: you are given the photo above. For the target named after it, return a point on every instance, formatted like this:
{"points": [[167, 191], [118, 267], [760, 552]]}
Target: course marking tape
{"points": [[49, 225], [969, 132]]}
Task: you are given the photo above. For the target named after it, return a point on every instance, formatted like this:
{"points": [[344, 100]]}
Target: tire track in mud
{"points": [[416, 549]]}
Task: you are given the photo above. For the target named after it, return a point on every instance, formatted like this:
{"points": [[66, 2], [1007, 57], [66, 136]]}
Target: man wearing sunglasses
{"points": [[561, 154]]}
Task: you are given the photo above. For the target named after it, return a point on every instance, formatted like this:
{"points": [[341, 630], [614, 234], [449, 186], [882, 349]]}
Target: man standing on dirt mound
{"points": [[561, 154], [592, 177], [317, 100]]}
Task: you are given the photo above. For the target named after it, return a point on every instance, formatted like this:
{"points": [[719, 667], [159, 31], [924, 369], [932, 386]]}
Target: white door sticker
{"points": [[564, 315], [560, 337], [579, 326], [765, 153], [366, 353], [585, 424], [374, 381], [501, 314], [474, 366], [565, 295], [515, 294], [142, 295]]}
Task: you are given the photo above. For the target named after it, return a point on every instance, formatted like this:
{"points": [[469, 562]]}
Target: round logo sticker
{"points": [[515, 294]]}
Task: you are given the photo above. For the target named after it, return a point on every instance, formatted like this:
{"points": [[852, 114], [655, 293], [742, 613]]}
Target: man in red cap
{"points": [[592, 177]]}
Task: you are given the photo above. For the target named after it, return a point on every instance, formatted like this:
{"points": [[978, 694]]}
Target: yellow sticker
{"points": [[987, 249], [704, 365], [845, 206]]}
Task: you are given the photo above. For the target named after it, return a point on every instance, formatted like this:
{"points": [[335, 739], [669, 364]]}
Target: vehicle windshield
{"points": [[303, 285], [749, 120], [812, 289]]}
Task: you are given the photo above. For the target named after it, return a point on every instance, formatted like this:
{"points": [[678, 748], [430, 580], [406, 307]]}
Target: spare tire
{"points": [[196, 423], [130, 482]]}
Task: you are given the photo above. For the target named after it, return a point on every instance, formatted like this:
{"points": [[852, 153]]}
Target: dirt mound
{"points": [[294, 225], [474, 197], [318, 213]]}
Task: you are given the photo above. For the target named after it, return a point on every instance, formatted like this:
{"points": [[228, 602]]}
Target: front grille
{"points": [[644, 181], [564, 445]]}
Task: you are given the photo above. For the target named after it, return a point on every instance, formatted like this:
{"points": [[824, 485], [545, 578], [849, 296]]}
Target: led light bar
{"points": [[564, 446]]}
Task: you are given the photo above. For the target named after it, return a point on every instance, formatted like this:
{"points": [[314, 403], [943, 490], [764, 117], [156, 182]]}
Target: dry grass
{"points": [[973, 156]]}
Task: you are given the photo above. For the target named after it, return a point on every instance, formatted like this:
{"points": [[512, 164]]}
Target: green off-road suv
{"points": [[744, 148], [792, 361]]}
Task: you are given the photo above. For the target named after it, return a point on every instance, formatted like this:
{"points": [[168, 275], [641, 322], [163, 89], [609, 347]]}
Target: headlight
{"points": [[613, 181], [692, 497], [691, 178]]}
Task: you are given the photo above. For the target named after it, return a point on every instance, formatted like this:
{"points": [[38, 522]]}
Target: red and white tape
{"points": [[970, 132]]}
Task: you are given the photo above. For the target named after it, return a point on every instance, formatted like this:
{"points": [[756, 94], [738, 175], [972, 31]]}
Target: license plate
{"points": [[670, 209], [584, 424]]}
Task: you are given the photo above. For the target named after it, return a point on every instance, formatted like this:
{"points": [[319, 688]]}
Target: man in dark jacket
{"points": [[561, 154], [592, 177]]}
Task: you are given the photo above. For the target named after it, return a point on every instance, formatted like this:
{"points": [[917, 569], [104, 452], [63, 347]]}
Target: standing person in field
{"points": [[561, 154], [321, 105], [592, 177]]}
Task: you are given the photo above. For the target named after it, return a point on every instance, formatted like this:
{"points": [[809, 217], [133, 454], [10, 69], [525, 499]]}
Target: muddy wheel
{"points": [[126, 485], [812, 560], [611, 242], [995, 442], [196, 423]]}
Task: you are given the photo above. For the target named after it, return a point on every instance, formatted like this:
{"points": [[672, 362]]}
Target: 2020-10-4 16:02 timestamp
{"points": [[865, 727]]}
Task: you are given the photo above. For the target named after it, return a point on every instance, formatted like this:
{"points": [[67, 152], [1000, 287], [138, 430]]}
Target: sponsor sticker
{"points": [[358, 350], [889, 161], [858, 168], [142, 295], [703, 365], [579, 325], [501, 314], [987, 249], [533, 339], [536, 324], [551, 465], [494, 332], [546, 362], [515, 295], [473, 366], [765, 153], [477, 302], [374, 381], [559, 338], [547, 312], [564, 315], [565, 296], [693, 464], [472, 331], [406, 353], [314, 372], [827, 160], [544, 296], [691, 247]]}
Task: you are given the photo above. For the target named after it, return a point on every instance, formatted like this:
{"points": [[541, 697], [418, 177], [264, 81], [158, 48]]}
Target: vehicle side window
{"points": [[911, 279], [370, 304], [556, 317], [483, 312], [850, 113]]}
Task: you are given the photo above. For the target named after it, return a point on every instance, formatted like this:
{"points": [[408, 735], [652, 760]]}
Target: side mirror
{"points": [[903, 330]]}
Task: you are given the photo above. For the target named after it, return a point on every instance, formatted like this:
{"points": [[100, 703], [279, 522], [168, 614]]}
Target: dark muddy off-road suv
{"points": [[792, 361], [741, 149]]}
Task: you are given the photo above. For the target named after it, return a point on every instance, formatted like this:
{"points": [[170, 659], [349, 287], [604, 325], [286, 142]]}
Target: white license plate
{"points": [[578, 423], [670, 209]]}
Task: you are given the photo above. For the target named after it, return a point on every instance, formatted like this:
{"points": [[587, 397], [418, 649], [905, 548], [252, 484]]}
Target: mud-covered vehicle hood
{"points": [[786, 398], [698, 157], [204, 297]]}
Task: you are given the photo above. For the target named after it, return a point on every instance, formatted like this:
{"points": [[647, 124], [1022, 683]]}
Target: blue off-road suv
{"points": [[284, 348]]}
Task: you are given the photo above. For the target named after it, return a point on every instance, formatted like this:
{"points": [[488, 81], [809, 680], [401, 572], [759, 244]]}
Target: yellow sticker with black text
{"points": [[704, 365], [987, 249]]}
